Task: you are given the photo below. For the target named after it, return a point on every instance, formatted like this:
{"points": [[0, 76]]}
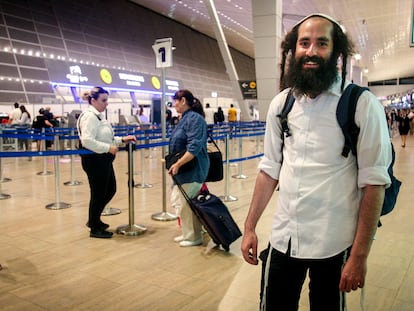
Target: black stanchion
{"points": [[131, 228]]}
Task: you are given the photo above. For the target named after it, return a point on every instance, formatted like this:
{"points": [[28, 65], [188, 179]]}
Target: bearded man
{"points": [[328, 206]]}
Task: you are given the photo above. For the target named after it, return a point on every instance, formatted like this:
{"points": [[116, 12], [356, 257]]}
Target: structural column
{"points": [[227, 58], [267, 32]]}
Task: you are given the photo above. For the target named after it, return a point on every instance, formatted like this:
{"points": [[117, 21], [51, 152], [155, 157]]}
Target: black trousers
{"points": [[282, 282], [102, 184]]}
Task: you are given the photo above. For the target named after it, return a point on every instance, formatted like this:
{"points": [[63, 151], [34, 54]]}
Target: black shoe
{"points": [[103, 225], [101, 234]]}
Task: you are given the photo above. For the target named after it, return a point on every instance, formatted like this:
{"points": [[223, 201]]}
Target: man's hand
{"points": [[353, 274], [249, 247]]}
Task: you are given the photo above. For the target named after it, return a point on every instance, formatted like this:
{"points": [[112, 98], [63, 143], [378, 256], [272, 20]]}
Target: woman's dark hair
{"points": [[23, 109], [192, 101], [342, 46], [94, 93]]}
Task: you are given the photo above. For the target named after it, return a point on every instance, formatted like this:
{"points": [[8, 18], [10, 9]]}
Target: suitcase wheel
{"points": [[226, 247]]}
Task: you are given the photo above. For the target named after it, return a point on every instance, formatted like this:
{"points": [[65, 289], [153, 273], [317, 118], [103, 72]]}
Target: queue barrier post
{"points": [[240, 175], [142, 184], [58, 204], [72, 181], [232, 143], [44, 172], [2, 179], [3, 196], [109, 211], [227, 197], [257, 144], [131, 229], [164, 215]]}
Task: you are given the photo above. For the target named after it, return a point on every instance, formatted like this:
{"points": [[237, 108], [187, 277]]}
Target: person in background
{"points": [[232, 114], [219, 116], [51, 117], [40, 122], [24, 121], [15, 115], [209, 112], [190, 134], [168, 115], [403, 125], [142, 117], [328, 206], [411, 117], [96, 134]]}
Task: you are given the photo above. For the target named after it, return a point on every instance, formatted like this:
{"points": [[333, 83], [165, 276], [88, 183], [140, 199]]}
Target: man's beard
{"points": [[313, 80]]}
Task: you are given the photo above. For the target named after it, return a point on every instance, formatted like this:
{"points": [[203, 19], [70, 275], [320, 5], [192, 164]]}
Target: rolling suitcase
{"points": [[215, 217]]}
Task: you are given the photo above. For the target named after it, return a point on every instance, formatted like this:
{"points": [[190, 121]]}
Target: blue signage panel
{"points": [[71, 74]]}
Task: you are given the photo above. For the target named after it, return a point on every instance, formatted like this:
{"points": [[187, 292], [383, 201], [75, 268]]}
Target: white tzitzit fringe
{"points": [[362, 299]]}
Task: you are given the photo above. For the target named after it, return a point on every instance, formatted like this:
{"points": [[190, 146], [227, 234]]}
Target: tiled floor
{"points": [[50, 263]]}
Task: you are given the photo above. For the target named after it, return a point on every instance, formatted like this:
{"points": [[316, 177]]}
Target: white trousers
{"points": [[190, 225]]}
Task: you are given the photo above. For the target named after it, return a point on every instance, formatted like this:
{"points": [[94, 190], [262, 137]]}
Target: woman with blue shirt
{"points": [[189, 134]]}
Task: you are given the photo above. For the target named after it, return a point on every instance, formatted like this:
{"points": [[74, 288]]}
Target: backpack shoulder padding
{"points": [[287, 107], [345, 115]]}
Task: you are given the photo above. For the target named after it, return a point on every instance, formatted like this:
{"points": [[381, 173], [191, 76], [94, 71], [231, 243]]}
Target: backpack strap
{"points": [[345, 115], [287, 107]]}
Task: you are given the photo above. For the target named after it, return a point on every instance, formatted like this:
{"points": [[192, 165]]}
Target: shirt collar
{"points": [[335, 88], [94, 110]]}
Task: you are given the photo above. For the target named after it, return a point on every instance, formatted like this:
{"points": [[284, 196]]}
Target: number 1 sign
{"points": [[163, 52]]}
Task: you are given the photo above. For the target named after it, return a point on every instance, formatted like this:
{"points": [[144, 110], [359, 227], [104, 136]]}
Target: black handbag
{"points": [[170, 159], [215, 171]]}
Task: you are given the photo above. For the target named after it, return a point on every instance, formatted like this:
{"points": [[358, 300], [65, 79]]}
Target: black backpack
{"points": [[345, 115]]}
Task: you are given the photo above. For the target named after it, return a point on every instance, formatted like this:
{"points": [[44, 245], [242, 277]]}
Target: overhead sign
{"points": [[62, 72], [248, 89], [163, 52]]}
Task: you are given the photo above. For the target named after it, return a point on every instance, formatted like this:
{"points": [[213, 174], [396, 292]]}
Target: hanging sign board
{"points": [[163, 52]]}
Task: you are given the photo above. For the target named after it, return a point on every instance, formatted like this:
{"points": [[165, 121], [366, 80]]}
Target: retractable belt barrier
{"points": [[147, 139]]}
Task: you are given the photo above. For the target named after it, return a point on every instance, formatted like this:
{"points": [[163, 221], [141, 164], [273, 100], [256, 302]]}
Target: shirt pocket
{"points": [[326, 144]]}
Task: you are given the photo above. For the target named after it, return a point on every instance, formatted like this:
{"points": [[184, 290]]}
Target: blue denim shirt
{"points": [[191, 134]]}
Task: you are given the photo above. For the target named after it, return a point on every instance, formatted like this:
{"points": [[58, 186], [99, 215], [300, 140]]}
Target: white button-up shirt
{"points": [[319, 189], [96, 132]]}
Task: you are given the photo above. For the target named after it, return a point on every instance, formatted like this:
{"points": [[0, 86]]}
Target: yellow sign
{"points": [[156, 83], [105, 76], [252, 85]]}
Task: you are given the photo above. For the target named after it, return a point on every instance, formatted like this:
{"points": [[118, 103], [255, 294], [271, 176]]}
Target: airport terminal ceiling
{"points": [[381, 30]]}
